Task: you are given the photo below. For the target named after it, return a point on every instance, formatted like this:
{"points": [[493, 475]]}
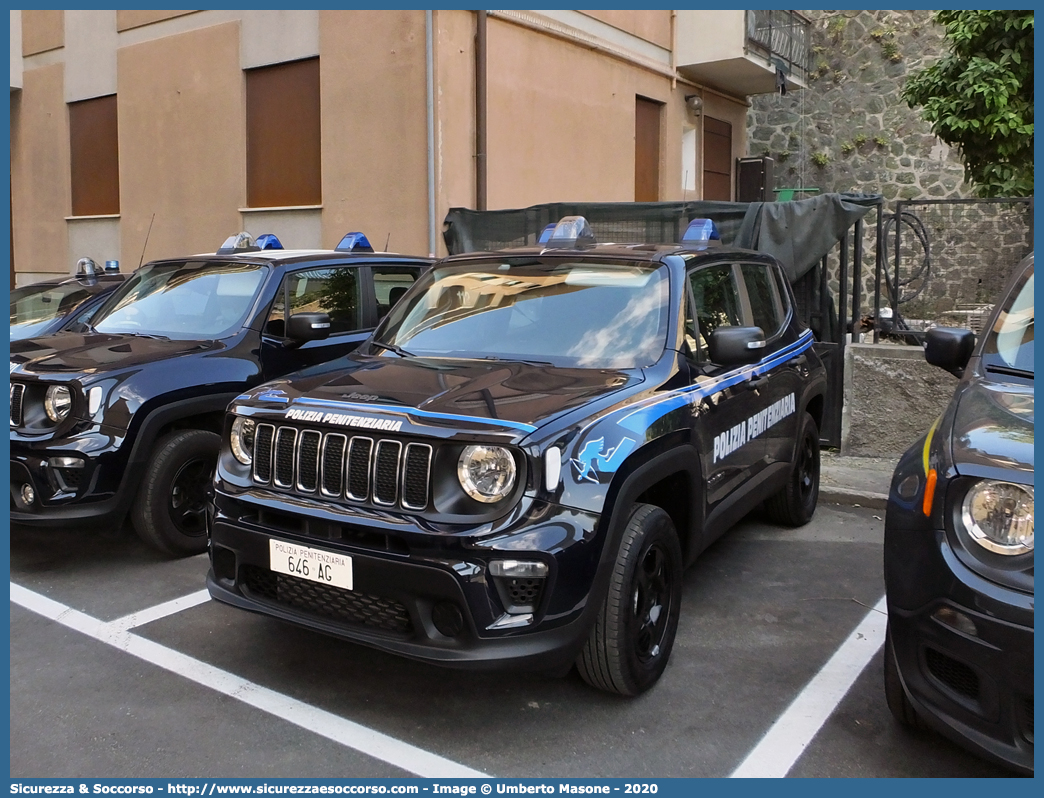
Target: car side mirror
{"points": [[304, 327], [736, 346], [949, 348]]}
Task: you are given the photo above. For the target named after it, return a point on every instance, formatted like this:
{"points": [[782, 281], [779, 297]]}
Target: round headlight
{"points": [[999, 516], [58, 402], [487, 473], [242, 439]]}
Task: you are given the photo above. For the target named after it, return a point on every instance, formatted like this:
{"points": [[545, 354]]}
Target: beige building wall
{"points": [[40, 174], [182, 148], [374, 128], [560, 121], [42, 31]]}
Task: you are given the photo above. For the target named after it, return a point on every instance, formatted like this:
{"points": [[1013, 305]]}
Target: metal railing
{"points": [[781, 36], [944, 262]]}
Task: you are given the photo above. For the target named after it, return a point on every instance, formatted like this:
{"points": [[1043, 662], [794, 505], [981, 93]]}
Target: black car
{"points": [[516, 468], [63, 303], [125, 416], [959, 545]]}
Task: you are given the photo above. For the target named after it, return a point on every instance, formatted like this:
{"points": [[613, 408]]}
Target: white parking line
{"points": [[792, 732], [326, 724], [143, 617]]}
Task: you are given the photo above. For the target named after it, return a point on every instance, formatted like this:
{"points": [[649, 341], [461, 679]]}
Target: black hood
{"points": [[497, 395], [993, 426], [96, 353]]}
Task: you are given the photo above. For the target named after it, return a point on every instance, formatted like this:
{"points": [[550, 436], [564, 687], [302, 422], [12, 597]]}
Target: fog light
{"points": [[28, 493], [956, 620], [65, 462], [447, 618], [521, 569]]}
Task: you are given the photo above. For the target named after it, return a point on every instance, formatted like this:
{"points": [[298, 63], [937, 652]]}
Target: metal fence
{"points": [[945, 262]]}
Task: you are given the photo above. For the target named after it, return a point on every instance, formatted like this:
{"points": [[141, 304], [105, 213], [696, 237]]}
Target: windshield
{"points": [[585, 315], [192, 300], [1009, 345], [34, 306]]}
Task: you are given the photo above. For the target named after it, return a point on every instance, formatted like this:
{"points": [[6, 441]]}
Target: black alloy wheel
{"points": [[795, 503], [188, 497], [652, 602]]}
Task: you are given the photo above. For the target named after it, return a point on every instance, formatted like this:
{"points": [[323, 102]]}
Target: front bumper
{"points": [[423, 593], [965, 654], [96, 491]]}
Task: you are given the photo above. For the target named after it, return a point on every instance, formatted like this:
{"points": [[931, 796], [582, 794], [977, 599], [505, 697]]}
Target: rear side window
{"points": [[390, 283], [331, 291], [766, 308]]}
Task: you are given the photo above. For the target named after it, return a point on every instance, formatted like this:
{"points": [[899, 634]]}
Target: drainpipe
{"points": [[429, 52], [480, 110]]}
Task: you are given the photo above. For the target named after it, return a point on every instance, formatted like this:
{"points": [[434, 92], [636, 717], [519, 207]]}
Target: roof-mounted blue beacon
{"points": [[571, 232], [701, 233], [354, 242], [269, 241]]}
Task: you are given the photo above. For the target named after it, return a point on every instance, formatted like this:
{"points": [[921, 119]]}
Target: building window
{"points": [[282, 136], [94, 157]]}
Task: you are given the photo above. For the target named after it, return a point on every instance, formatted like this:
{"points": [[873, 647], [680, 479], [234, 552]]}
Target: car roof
{"points": [[651, 253], [293, 256], [98, 282]]}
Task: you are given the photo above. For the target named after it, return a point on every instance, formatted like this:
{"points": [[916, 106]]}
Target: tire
{"points": [[631, 641], [795, 503], [169, 512], [895, 694]]}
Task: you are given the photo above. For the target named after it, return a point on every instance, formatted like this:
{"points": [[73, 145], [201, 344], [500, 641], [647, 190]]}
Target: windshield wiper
{"points": [[527, 361], [392, 348], [1010, 371]]}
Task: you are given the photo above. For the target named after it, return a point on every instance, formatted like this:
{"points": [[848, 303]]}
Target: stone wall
{"points": [[850, 130], [892, 396]]}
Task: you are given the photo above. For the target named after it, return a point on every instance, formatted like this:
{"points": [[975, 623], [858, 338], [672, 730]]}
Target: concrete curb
{"points": [[852, 497]]}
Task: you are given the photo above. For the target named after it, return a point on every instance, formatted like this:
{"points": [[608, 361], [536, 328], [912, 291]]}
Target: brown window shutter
{"points": [[646, 150], [284, 165], [94, 156], [717, 159]]}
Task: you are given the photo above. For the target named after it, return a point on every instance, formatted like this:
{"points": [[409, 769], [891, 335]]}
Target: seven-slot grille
{"points": [[383, 472], [17, 393]]}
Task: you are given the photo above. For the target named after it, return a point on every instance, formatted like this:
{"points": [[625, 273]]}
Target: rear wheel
{"points": [[169, 512], [631, 641], [795, 503], [898, 704]]}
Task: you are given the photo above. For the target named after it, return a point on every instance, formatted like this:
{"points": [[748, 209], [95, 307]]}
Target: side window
{"points": [[716, 297], [765, 306], [332, 291], [390, 283]]}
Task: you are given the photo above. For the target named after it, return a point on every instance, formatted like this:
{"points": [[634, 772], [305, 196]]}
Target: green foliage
{"points": [[847, 147], [890, 50], [820, 158], [979, 97], [881, 140], [860, 139]]}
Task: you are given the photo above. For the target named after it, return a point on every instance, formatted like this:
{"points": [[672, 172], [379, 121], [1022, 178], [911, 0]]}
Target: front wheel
{"points": [[795, 503], [631, 641], [169, 512]]}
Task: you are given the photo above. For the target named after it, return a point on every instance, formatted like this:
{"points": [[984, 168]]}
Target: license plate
{"points": [[315, 565]]}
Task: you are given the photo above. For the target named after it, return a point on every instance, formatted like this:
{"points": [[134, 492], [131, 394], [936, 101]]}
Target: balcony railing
{"points": [[782, 37]]}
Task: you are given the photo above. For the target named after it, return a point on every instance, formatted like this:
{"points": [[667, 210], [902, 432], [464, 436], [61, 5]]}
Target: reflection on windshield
{"points": [[581, 315], [185, 301], [36, 304], [1010, 342]]}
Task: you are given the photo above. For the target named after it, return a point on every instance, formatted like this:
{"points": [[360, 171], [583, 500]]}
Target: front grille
{"points": [[372, 612], [17, 393], [381, 472], [953, 673]]}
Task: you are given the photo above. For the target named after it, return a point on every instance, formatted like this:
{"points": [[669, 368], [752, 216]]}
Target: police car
{"points": [[64, 303], [958, 558], [125, 416], [517, 466]]}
